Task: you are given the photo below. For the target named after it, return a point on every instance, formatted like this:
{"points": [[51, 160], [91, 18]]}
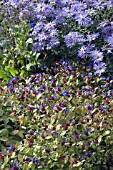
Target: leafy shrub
{"points": [[16, 56], [58, 119]]}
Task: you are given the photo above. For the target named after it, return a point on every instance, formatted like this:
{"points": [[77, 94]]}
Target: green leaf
{"points": [[4, 133], [13, 72], [22, 73]]}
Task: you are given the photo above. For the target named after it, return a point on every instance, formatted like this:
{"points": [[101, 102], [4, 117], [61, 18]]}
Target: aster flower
{"points": [[82, 52], [109, 40], [91, 37], [79, 4], [83, 19], [59, 16], [99, 4], [49, 26], [97, 55], [68, 12], [110, 3], [103, 23], [99, 68], [72, 38]]}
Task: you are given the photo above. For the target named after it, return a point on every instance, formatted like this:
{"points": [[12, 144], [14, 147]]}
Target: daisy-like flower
{"points": [[97, 56], [99, 4], [83, 19], [72, 38], [109, 40], [110, 3], [103, 23], [91, 37], [99, 68], [82, 52]]}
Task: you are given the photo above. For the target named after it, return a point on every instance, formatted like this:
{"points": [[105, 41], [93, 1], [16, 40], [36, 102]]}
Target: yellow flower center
{"points": [[97, 57], [68, 11], [77, 36], [80, 5], [99, 68], [82, 18], [73, 2], [81, 50]]}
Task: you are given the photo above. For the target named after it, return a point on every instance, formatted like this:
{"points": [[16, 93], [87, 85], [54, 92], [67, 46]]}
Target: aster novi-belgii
{"points": [[97, 55], [99, 68]]}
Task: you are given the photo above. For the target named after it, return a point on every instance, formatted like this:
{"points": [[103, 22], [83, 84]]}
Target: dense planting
{"points": [[82, 29], [59, 119], [56, 114]]}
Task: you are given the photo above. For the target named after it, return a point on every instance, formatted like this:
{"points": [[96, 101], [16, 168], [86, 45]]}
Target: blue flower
{"points": [[64, 139], [15, 165], [97, 56], [35, 160], [11, 148], [55, 107], [103, 108], [87, 130], [65, 93], [75, 138], [99, 68], [67, 111], [32, 25], [86, 154]]}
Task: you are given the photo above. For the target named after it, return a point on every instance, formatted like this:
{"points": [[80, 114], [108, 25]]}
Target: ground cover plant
{"points": [[56, 84], [59, 119]]}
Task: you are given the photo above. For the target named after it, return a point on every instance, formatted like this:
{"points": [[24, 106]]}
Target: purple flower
{"points": [[82, 52], [83, 19], [53, 42], [97, 55], [109, 39], [110, 3], [72, 38], [99, 68], [91, 37], [99, 4], [103, 23]]}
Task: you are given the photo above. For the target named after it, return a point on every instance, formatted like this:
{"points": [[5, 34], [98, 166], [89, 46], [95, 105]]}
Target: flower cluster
{"points": [[71, 24], [59, 118]]}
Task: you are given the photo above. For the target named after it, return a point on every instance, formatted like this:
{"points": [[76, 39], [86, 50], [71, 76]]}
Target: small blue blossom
{"points": [[87, 130], [75, 138], [65, 93], [86, 154], [35, 160], [55, 107], [64, 139], [11, 148], [103, 108], [15, 165], [67, 111]]}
